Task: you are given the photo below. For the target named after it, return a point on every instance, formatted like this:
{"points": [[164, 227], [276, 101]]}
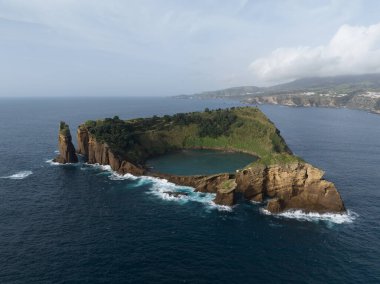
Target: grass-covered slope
{"points": [[241, 129]]}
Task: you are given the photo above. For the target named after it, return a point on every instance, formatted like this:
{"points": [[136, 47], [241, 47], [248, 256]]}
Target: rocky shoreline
{"points": [[293, 186]]}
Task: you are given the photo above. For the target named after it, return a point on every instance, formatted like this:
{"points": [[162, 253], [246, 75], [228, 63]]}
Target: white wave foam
{"points": [[213, 205], [52, 163], [99, 166], [335, 218], [116, 176], [19, 175], [161, 188]]}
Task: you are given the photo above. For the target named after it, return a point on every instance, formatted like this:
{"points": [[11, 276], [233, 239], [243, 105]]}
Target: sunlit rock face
{"points": [[66, 148], [292, 186]]}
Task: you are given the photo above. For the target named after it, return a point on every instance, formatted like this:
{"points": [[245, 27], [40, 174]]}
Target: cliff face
{"points": [[225, 194], [100, 153], [289, 186], [293, 186], [66, 147]]}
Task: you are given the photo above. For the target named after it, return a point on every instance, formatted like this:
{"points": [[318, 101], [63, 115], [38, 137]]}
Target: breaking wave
{"points": [[165, 190], [52, 163], [299, 215], [19, 175]]}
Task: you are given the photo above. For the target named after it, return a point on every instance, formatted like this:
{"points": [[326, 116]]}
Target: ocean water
{"points": [[199, 162], [85, 224]]}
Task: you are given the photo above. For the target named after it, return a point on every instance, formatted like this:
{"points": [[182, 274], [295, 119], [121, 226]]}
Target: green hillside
{"points": [[244, 129]]}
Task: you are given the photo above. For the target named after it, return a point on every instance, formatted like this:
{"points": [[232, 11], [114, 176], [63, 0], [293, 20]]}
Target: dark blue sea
{"points": [[85, 224]]}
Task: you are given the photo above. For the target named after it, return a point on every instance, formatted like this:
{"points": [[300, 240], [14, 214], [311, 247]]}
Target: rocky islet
{"points": [[295, 185]]}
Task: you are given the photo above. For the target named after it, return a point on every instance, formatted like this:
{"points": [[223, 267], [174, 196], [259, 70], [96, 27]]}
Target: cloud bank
{"points": [[352, 50]]}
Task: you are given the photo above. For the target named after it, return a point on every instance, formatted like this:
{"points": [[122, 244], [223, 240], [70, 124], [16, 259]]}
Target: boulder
{"points": [[225, 194]]}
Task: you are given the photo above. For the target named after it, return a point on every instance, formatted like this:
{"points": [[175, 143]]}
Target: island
{"points": [[276, 176]]}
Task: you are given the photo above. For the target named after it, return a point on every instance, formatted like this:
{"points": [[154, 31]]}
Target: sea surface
{"points": [[85, 224]]}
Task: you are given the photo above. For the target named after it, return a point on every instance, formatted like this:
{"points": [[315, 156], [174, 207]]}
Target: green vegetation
{"points": [[227, 186], [244, 129], [64, 129]]}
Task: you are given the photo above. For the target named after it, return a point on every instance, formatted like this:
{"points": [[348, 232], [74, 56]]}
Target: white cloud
{"points": [[352, 50]]}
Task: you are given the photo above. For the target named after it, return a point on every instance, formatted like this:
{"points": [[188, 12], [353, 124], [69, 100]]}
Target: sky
{"points": [[170, 47]]}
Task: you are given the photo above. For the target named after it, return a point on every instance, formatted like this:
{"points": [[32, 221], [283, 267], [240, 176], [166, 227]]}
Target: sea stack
{"points": [[66, 148]]}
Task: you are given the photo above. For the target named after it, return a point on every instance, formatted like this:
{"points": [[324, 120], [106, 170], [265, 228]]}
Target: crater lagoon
{"points": [[199, 162]]}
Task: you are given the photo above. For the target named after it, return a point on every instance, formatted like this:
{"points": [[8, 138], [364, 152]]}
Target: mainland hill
{"points": [[351, 91]]}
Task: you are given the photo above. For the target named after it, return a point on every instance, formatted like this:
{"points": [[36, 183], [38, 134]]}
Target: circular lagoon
{"points": [[199, 162]]}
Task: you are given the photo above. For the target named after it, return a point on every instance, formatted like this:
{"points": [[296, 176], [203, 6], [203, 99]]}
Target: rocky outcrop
{"points": [[66, 148], [100, 153], [225, 194], [292, 186], [82, 138]]}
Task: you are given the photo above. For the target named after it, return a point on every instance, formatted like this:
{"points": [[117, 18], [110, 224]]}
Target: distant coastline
{"points": [[361, 92]]}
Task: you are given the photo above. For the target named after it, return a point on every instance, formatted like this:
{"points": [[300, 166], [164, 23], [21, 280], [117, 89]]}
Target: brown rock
{"points": [[275, 205], [100, 153], [226, 193], [295, 186], [82, 138], [66, 147], [127, 167], [250, 182], [211, 183]]}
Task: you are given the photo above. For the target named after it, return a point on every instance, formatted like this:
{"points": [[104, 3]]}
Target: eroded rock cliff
{"points": [[292, 186], [100, 153], [66, 148]]}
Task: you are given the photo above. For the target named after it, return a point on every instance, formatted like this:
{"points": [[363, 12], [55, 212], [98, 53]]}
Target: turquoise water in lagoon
{"points": [[199, 162], [82, 224]]}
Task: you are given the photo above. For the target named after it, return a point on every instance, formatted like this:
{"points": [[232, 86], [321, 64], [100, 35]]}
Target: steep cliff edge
{"points": [[100, 153], [66, 148], [292, 186]]}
